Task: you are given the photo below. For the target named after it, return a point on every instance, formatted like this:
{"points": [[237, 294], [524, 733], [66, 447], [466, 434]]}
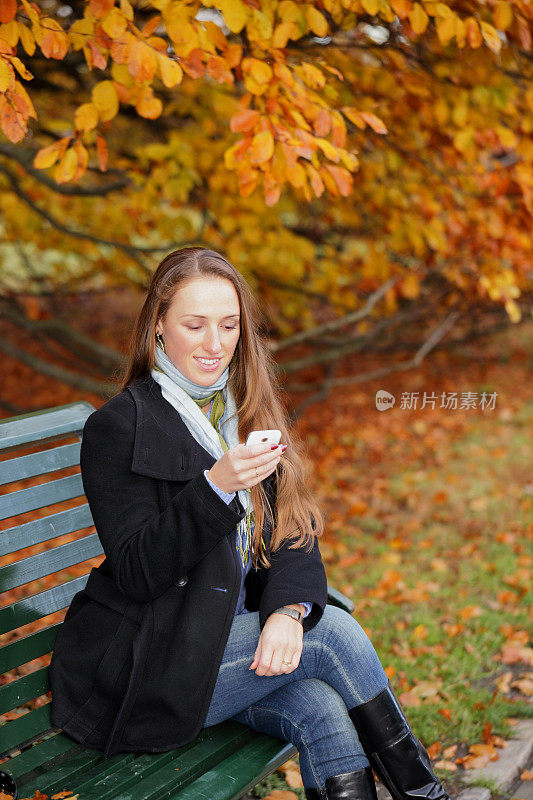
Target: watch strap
{"points": [[292, 612]]}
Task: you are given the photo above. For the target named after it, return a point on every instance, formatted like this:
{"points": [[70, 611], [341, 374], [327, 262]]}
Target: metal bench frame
{"points": [[222, 763]]}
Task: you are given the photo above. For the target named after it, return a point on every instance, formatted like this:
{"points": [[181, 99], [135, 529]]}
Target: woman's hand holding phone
{"points": [[246, 465]]}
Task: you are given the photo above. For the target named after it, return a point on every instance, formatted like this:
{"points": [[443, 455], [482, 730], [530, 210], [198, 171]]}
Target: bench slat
{"points": [[17, 469], [22, 690], [40, 530], [25, 649], [57, 745], [239, 773], [45, 494], [40, 605], [38, 425], [121, 776], [25, 727], [57, 558]]}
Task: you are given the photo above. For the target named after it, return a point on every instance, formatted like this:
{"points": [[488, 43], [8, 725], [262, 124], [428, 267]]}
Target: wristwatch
{"points": [[292, 612]]}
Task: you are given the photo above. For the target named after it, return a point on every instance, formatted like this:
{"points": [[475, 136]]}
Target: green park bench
{"points": [[222, 763]]}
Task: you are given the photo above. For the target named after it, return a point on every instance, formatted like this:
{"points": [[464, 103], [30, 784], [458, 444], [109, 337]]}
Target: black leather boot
{"points": [[359, 785], [396, 755]]}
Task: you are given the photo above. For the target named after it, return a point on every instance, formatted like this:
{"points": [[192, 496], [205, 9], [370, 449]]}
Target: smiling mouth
{"points": [[208, 362]]}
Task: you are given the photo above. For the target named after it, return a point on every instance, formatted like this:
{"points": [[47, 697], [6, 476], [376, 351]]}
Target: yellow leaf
{"points": [[27, 39], [473, 33], [148, 106], [171, 72], [262, 148], [513, 310], [343, 179], [46, 156], [410, 287], [316, 21], [86, 117], [503, 15], [80, 31], [313, 76], [296, 175], [127, 9], [259, 28], [328, 149], [10, 32], [442, 10], [464, 140], [445, 29], [259, 70], [104, 97], [402, 7], [21, 68], [55, 42], [66, 168], [375, 122], [418, 19], [234, 155], [283, 74], [506, 136], [6, 75], [316, 181], [491, 37], [114, 24], [142, 60], [283, 32], [235, 14], [370, 6], [83, 158]]}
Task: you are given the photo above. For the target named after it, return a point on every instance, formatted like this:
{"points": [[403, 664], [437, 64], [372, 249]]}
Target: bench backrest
{"points": [[41, 450]]}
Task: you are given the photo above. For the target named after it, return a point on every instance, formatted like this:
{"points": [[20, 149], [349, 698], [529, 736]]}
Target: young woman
{"points": [[211, 601]]}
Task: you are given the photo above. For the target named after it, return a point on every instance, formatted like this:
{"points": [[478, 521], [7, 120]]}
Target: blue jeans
{"points": [[338, 669]]}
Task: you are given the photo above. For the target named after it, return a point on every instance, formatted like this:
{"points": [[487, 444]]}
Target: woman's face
{"points": [[201, 328]]}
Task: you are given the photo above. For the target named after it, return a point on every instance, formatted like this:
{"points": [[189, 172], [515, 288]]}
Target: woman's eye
{"points": [[199, 327]]}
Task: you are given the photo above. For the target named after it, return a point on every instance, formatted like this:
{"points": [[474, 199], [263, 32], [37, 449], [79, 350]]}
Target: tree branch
{"points": [[84, 348], [58, 373], [419, 356], [328, 327], [25, 159]]}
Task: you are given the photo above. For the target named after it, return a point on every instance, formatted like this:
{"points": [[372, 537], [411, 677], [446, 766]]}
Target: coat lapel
{"points": [[164, 448]]}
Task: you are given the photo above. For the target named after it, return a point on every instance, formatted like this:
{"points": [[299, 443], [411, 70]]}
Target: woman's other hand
{"points": [[281, 640], [243, 466]]}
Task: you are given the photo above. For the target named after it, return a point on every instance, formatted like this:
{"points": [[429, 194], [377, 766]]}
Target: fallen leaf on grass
{"points": [[433, 750], [451, 766], [450, 751], [479, 756], [503, 683], [524, 684], [513, 652], [291, 773]]}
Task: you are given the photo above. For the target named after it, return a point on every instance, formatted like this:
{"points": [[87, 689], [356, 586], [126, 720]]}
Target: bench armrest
{"points": [[336, 598]]}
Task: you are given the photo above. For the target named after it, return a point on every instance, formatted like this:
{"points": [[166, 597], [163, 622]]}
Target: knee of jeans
{"points": [[343, 628], [321, 707]]}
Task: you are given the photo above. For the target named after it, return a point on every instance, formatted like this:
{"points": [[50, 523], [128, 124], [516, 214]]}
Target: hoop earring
{"points": [[160, 342]]}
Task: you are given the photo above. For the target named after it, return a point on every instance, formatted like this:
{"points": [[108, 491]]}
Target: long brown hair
{"points": [[254, 385]]}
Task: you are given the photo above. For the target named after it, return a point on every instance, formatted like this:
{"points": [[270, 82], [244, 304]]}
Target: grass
{"points": [[441, 515]]}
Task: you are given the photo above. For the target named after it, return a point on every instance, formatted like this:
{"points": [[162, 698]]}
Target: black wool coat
{"points": [[136, 659]]}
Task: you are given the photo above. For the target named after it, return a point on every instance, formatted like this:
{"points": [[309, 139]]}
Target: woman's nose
{"points": [[212, 342]]}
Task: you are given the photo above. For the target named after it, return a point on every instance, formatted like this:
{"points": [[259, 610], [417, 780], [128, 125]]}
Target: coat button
{"points": [[182, 581]]}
